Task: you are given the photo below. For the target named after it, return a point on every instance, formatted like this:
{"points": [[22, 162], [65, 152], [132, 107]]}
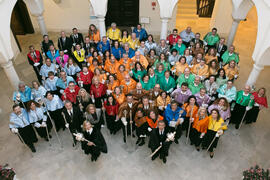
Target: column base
{"points": [[11, 73], [253, 76]]}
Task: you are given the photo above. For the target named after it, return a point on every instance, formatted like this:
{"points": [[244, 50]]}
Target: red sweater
{"points": [[98, 91], [111, 110], [71, 96], [260, 100], [172, 39], [87, 79]]}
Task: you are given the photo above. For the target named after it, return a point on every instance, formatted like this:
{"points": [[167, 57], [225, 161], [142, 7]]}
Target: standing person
{"points": [[167, 83], [173, 38], [45, 44], [260, 102], [159, 137], [20, 124], [152, 120], [182, 94], [202, 98], [23, 95], [162, 101], [38, 91], [64, 43], [197, 39], [244, 102], [119, 95], [63, 81], [125, 37], [83, 99], [199, 128], [50, 83], [52, 53], [186, 77], [163, 48], [111, 108], [38, 119], [35, 59], [54, 106], [113, 33], [230, 55], [150, 43], [94, 35], [103, 45], [141, 126], [94, 116], [71, 92], [227, 91], [85, 78], [79, 55], [221, 49], [95, 143], [98, 92], [180, 47], [211, 87], [191, 108], [128, 84], [174, 116], [211, 38], [222, 105], [126, 113], [73, 117], [47, 67], [117, 50], [72, 69], [62, 59], [134, 42], [140, 32], [221, 78], [215, 130], [196, 85], [76, 38], [187, 35]]}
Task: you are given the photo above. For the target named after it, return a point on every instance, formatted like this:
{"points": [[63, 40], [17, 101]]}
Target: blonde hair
{"points": [[86, 97], [89, 106], [84, 125]]}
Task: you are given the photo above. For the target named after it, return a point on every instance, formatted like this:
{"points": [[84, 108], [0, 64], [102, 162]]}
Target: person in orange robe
{"points": [[112, 65], [128, 84], [126, 61], [94, 56], [201, 70], [119, 95], [191, 107], [100, 75], [231, 70], [113, 82], [94, 65], [121, 73], [140, 58], [199, 127], [152, 120]]}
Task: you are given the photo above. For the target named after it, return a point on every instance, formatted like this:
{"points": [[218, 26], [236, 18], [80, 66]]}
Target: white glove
{"points": [[36, 64], [181, 120], [65, 51], [205, 105], [160, 107], [124, 121], [74, 44], [212, 98], [43, 54], [14, 130], [248, 108], [109, 91], [103, 81], [61, 91], [37, 125], [43, 124], [217, 135], [107, 74], [236, 76], [173, 71], [67, 125], [192, 120], [149, 129], [202, 134], [220, 132]]}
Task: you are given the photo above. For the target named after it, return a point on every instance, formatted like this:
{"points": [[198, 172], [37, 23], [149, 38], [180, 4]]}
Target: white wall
{"points": [[155, 23]]}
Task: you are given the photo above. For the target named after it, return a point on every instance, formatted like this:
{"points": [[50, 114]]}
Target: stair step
{"points": [[186, 11], [186, 17]]}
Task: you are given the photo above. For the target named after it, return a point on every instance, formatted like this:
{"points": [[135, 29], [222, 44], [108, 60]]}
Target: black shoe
{"points": [[176, 141], [46, 139], [153, 157], [139, 139], [33, 149], [92, 158], [198, 148], [203, 148], [211, 155], [142, 143], [124, 140], [164, 160], [50, 136], [237, 126], [133, 135]]}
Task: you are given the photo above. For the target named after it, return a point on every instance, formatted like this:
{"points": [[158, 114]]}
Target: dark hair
{"points": [[212, 76], [14, 106], [161, 121], [150, 35], [49, 92], [214, 29], [74, 29], [175, 30], [164, 56], [129, 94], [29, 104], [152, 50], [190, 97], [221, 69], [50, 73], [114, 101], [218, 118], [108, 77], [141, 110], [184, 84], [90, 30], [124, 30], [174, 50], [45, 35], [135, 67], [174, 102], [183, 57]]}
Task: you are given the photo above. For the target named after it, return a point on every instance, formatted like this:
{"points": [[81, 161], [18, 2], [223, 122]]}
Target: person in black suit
{"points": [[221, 48], [76, 38], [45, 44], [95, 143], [74, 118], [65, 43], [197, 39], [158, 137], [87, 45]]}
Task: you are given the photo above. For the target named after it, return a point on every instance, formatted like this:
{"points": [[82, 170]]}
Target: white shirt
{"points": [[130, 105], [90, 131]]}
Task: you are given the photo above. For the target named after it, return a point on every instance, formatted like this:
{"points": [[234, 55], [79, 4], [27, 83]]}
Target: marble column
{"points": [[233, 31], [101, 25], [253, 76], [41, 23], [164, 28], [11, 73]]}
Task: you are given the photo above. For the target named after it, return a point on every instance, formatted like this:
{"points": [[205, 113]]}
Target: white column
{"points": [[42, 25], [233, 30], [253, 76], [11, 73], [164, 28], [101, 25]]}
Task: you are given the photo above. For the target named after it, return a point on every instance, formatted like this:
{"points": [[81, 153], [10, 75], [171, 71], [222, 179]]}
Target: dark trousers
{"points": [[128, 127], [37, 69], [178, 130], [208, 138], [58, 119], [238, 114], [163, 151], [28, 135], [113, 125], [194, 137], [42, 130]]}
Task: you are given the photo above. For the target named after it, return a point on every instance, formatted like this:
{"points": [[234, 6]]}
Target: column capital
{"points": [[165, 19], [237, 20]]}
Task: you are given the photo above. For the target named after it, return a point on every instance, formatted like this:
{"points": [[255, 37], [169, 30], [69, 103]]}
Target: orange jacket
{"points": [[153, 124], [201, 125]]}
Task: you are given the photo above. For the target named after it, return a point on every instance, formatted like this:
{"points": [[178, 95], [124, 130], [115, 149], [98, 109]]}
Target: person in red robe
{"points": [[98, 92], [84, 78], [173, 38], [35, 59], [71, 92]]}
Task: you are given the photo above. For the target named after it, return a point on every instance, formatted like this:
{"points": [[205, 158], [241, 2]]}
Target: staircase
{"points": [[187, 9]]}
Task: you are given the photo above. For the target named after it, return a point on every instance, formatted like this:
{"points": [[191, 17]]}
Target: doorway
{"points": [[122, 12]]}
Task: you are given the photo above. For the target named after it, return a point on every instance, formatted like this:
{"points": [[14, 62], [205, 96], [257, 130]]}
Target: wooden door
{"points": [[122, 12]]}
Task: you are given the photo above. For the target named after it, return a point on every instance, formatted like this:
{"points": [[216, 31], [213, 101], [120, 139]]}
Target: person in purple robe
{"points": [[202, 98], [182, 94], [223, 106]]}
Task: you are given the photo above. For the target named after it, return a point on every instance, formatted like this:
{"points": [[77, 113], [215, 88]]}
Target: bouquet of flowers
{"points": [[256, 173], [6, 173]]}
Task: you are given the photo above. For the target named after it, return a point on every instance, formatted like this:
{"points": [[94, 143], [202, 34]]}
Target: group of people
{"points": [[184, 84]]}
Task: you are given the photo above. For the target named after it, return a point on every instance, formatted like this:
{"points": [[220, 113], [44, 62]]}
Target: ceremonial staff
{"points": [[131, 123], [125, 114], [190, 118], [103, 110], [251, 98], [223, 124], [67, 126], [79, 137]]}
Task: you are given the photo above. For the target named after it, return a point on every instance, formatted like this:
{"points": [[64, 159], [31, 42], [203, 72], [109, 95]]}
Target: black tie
{"points": [[79, 53]]}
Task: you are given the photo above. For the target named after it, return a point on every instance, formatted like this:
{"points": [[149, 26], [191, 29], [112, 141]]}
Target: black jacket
{"points": [[76, 120], [65, 46], [156, 138], [78, 40]]}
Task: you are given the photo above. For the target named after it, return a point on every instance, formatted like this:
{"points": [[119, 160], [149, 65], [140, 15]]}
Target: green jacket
{"points": [[138, 73], [166, 64], [195, 89], [147, 86], [167, 86], [182, 79], [180, 49], [159, 75], [226, 57], [244, 100], [210, 39]]}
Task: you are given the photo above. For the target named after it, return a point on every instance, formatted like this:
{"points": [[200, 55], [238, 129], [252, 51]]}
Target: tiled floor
{"points": [[237, 150]]}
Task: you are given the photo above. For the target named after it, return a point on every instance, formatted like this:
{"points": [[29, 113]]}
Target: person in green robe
{"points": [[230, 55], [180, 47], [221, 78], [146, 83], [185, 77], [167, 83], [196, 85], [162, 60], [244, 102], [211, 38], [138, 71], [152, 77], [159, 72]]}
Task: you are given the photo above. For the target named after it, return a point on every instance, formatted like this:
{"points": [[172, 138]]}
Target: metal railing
{"points": [[205, 7]]}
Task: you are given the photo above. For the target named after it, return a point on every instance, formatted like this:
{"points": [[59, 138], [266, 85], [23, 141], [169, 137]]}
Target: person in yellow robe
{"points": [[201, 69], [128, 84], [112, 84], [180, 66], [231, 70], [140, 58], [113, 33], [100, 75], [79, 55], [111, 65], [125, 37], [134, 43], [127, 62], [211, 55], [118, 95]]}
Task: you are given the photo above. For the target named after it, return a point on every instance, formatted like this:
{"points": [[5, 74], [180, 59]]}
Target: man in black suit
{"points": [[221, 48], [87, 46], [65, 43], [197, 39], [76, 38], [74, 118], [157, 138]]}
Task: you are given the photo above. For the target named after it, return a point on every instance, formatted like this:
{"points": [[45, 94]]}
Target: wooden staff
{"points": [[189, 124], [103, 110], [251, 98], [63, 114], [125, 114], [215, 136], [131, 123]]}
